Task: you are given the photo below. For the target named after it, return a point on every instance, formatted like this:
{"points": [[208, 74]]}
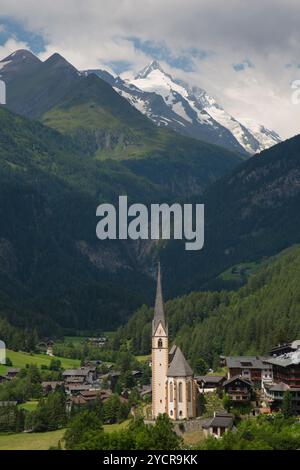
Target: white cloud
{"points": [[10, 46], [95, 32]]}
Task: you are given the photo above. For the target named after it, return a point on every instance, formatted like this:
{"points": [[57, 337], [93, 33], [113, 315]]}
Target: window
{"points": [[160, 343], [180, 392], [171, 392], [189, 391]]}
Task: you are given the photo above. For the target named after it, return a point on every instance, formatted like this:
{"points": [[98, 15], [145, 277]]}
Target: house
{"points": [[89, 374], [274, 395], [286, 368], [51, 386], [210, 383], [217, 426], [13, 372], [99, 342], [146, 391], [286, 377], [76, 389], [238, 389], [257, 369], [285, 348], [88, 396]]}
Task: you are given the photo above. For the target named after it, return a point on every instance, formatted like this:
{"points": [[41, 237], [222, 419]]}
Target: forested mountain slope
{"points": [[248, 321]]}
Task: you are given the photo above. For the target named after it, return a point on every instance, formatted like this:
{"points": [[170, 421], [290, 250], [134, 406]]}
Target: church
{"points": [[174, 390]]}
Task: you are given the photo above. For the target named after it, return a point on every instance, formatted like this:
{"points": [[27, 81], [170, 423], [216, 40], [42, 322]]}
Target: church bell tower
{"points": [[160, 354]]}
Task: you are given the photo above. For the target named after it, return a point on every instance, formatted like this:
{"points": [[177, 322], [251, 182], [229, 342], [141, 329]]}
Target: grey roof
{"points": [[13, 370], [179, 366], [238, 377], [159, 314], [288, 359], [76, 372], [220, 420], [214, 379], [249, 362], [279, 387], [295, 344]]}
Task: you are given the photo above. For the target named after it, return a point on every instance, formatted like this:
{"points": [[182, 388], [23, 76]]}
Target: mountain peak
{"points": [[154, 65], [57, 60], [21, 55]]}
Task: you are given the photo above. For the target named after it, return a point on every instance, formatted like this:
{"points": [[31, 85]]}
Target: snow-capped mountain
{"points": [[189, 110]]}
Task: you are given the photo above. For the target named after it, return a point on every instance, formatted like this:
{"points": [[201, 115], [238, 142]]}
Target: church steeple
{"points": [[159, 314]]}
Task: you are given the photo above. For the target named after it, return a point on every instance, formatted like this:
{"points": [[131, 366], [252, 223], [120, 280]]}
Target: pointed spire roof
{"points": [[159, 314], [179, 366]]}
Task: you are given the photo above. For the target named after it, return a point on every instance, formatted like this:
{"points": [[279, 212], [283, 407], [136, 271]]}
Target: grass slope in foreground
{"points": [[21, 359], [42, 441]]}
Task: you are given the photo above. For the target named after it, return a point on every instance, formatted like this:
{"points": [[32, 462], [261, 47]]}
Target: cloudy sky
{"points": [[247, 54]]}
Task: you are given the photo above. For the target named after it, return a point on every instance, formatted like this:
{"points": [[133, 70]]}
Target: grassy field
{"points": [[193, 438], [21, 359], [241, 272], [143, 358], [42, 441], [29, 405], [30, 441]]}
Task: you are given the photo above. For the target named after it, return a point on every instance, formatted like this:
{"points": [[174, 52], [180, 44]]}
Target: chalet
{"points": [[274, 395], [286, 368], [75, 380], [13, 372], [88, 396], [146, 391], [286, 377], [257, 369], [210, 383], [99, 342], [89, 374], [51, 386], [76, 389], [238, 389], [217, 426]]}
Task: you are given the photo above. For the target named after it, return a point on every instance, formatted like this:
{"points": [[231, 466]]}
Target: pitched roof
{"points": [[249, 362], [240, 378], [279, 387], [179, 366], [220, 420], [211, 379], [285, 360], [159, 314], [76, 372]]}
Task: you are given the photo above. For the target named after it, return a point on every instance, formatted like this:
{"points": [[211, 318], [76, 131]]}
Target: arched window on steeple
{"points": [[160, 343], [171, 392], [180, 392], [189, 391]]}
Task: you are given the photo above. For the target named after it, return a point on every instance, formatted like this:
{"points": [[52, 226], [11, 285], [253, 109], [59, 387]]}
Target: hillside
{"points": [[248, 321], [249, 215], [94, 114], [54, 272]]}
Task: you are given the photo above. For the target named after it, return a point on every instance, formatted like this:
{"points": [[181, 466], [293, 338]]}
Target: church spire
{"points": [[159, 314]]}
